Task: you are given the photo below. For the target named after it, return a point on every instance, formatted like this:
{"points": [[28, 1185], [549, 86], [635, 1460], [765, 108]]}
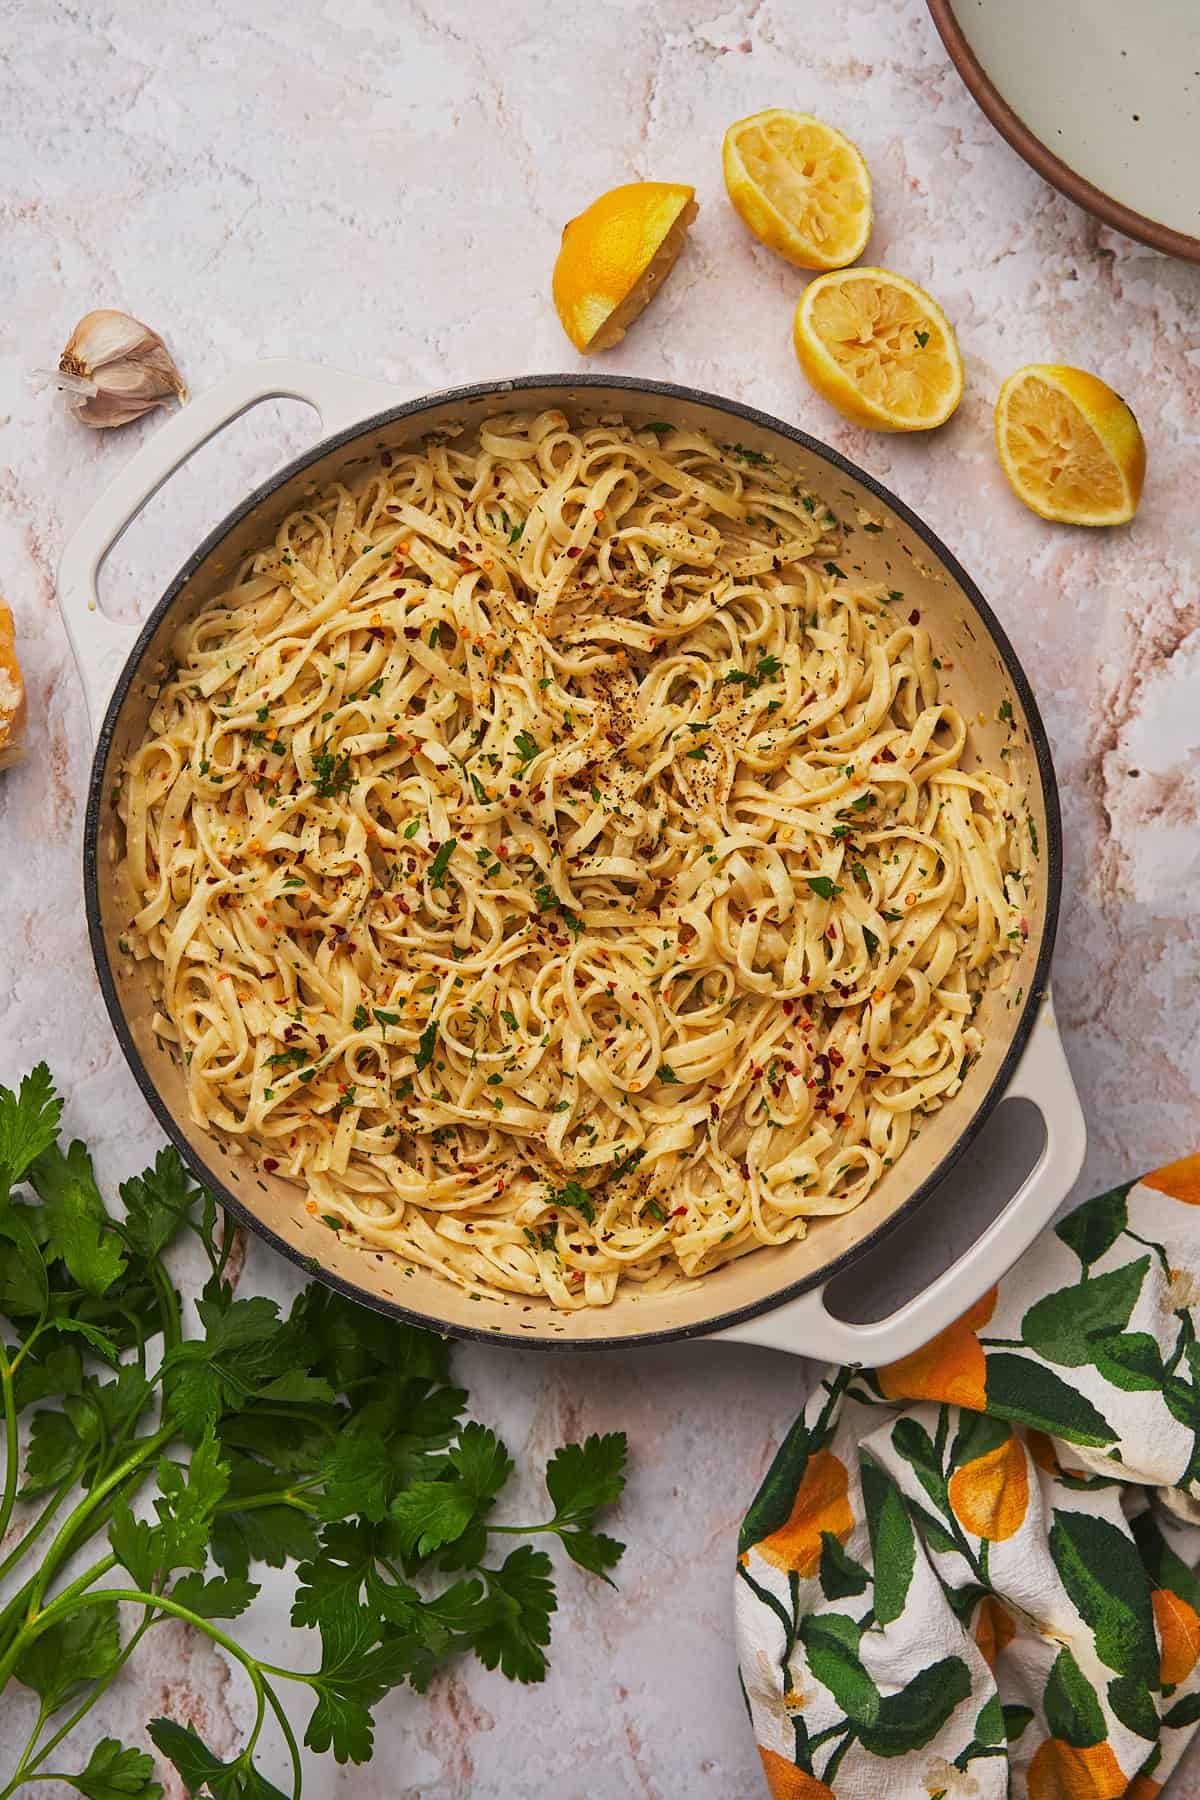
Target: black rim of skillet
{"points": [[479, 391]]}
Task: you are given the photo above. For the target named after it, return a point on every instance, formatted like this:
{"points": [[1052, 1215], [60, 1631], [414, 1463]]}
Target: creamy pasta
{"points": [[556, 858]]}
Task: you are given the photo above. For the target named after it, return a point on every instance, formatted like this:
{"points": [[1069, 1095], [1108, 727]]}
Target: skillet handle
{"points": [[806, 1328], [100, 644]]}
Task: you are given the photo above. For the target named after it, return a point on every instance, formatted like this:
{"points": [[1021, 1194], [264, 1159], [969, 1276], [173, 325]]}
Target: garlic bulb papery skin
{"points": [[114, 369]]}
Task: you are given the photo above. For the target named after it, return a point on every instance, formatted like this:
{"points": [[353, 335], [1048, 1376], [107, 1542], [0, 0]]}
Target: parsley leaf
{"points": [[76, 1223], [28, 1122], [515, 1641], [116, 1772]]}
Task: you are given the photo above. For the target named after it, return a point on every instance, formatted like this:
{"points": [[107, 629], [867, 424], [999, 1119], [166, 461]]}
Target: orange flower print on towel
{"points": [[949, 1367], [990, 1496], [1065, 1772], [1178, 1635], [787, 1782], [1181, 1180], [820, 1505], [993, 1629]]}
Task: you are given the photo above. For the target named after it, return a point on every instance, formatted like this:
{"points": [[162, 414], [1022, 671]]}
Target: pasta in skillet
{"points": [[555, 861]]}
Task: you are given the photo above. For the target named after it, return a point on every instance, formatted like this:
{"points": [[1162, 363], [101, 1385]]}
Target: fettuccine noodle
{"points": [[560, 865]]}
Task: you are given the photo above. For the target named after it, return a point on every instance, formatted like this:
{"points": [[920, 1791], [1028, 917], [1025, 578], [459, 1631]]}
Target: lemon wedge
{"points": [[879, 349], [615, 256], [1070, 447], [800, 186]]}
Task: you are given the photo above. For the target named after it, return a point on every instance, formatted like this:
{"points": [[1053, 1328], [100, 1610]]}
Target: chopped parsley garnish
{"points": [[412, 828], [574, 1194], [526, 748], [376, 688], [871, 941], [922, 338], [823, 886], [386, 1018], [293, 881], [666, 1073], [659, 428], [699, 754], [656, 1211], [627, 1165], [831, 568], [514, 536], [333, 774], [361, 1018], [510, 1019], [290, 1058], [750, 456], [426, 1044], [1006, 712], [441, 862]]}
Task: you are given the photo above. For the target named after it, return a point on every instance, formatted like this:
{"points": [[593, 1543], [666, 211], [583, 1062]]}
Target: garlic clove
{"points": [[114, 369]]}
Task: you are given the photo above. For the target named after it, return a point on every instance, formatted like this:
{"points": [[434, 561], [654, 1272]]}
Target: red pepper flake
{"points": [[887, 755], [386, 459], [411, 632], [574, 550], [835, 1056], [513, 789], [914, 617], [270, 1164], [789, 1006], [679, 1212]]}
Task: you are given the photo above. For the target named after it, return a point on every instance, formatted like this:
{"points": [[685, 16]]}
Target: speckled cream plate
{"points": [[1100, 96]]}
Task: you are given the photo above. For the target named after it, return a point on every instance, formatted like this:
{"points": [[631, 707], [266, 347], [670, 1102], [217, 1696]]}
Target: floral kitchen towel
{"points": [[970, 1573]]}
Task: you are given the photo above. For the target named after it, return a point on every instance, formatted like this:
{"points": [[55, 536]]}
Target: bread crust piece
{"points": [[12, 694]]}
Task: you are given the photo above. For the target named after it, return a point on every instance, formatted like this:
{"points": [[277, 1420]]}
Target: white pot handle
{"points": [[805, 1326], [100, 644]]}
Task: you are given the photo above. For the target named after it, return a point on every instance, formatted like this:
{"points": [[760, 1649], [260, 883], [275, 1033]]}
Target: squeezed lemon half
{"points": [[879, 349], [800, 186], [1070, 447]]}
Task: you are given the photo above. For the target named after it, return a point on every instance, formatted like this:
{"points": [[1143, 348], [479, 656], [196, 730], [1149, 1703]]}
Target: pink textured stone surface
{"points": [[381, 185]]}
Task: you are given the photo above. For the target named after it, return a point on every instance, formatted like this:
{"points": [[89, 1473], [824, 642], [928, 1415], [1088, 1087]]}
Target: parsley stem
{"points": [[11, 1452], [62, 1544], [39, 1524], [289, 1737], [68, 1602], [19, 1772]]}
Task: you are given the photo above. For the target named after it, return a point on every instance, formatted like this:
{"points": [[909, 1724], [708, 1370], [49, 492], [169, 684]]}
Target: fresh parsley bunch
{"points": [[331, 1438]]}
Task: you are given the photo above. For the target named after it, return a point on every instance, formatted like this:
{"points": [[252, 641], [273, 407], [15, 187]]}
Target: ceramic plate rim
{"points": [[1039, 156]]}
